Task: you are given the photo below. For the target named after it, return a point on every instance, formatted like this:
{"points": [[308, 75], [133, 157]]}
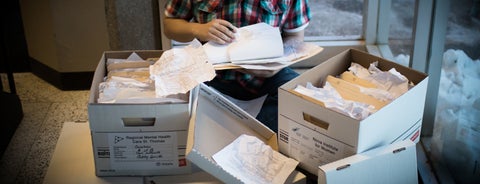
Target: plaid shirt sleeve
{"points": [[297, 16], [179, 9]]}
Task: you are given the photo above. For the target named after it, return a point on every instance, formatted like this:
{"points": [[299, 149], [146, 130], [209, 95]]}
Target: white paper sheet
{"points": [[389, 85], [252, 161], [181, 69], [133, 57], [332, 100], [257, 41], [117, 89], [127, 90], [392, 81], [258, 46], [293, 53]]}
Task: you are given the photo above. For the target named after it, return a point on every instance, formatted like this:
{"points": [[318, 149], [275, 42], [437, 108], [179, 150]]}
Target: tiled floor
{"points": [[45, 110]]}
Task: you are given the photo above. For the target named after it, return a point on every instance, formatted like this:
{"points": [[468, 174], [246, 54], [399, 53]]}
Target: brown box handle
{"points": [[315, 121], [133, 122]]}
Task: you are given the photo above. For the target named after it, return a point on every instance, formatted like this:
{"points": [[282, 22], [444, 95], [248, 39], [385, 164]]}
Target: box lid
{"points": [[215, 123], [394, 163]]}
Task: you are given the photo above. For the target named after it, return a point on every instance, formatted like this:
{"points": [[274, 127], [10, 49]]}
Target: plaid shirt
{"points": [[289, 15]]}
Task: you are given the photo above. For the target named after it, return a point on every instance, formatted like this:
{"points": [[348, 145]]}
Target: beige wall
{"points": [[65, 35], [38, 27]]}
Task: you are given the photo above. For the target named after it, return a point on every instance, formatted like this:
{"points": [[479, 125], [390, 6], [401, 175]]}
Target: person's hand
{"points": [[259, 73], [217, 30]]}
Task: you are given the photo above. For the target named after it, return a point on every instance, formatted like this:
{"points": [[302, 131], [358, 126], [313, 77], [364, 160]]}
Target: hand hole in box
{"points": [[315, 121], [131, 122]]}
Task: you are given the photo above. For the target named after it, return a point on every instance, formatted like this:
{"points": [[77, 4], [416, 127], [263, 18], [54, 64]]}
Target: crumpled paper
{"points": [[252, 161], [179, 70], [332, 100], [392, 81], [120, 89]]}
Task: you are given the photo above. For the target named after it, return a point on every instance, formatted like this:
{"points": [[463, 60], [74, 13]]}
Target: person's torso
{"points": [[241, 12]]}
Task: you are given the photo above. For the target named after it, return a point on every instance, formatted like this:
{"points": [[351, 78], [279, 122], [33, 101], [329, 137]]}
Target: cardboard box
{"points": [[315, 135], [394, 163], [215, 123], [137, 139], [119, 117]]}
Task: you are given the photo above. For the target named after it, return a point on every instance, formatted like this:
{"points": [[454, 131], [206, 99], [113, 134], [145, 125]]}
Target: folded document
{"points": [[258, 46], [358, 92], [257, 41]]}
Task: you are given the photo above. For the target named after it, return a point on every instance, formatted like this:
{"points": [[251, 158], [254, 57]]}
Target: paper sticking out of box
{"points": [[181, 69], [391, 81], [215, 123], [133, 61], [252, 161], [330, 98], [127, 81], [358, 92], [395, 163], [353, 92]]}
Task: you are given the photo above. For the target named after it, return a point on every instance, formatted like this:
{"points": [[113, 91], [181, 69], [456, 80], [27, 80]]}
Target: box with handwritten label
{"points": [[136, 136], [314, 133]]}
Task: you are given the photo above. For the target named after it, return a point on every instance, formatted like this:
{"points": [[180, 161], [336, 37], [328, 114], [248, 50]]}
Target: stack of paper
{"points": [[258, 46], [127, 80], [130, 81], [258, 41], [358, 92]]}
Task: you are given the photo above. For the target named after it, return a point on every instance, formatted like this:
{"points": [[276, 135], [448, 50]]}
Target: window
{"points": [[400, 37], [456, 132], [410, 32], [335, 20]]}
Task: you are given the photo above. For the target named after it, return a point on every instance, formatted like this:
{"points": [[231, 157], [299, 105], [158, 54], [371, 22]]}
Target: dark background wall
{"points": [[13, 52]]}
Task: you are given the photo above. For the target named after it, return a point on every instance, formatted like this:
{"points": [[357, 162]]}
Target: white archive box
{"points": [[315, 135], [122, 117], [215, 123], [394, 163], [137, 139]]}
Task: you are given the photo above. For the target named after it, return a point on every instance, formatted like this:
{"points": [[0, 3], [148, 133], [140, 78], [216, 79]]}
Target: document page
{"points": [[181, 69], [257, 41], [252, 161], [258, 46]]}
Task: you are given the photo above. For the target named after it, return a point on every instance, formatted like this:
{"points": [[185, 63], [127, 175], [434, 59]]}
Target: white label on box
{"points": [[313, 149], [150, 150]]}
